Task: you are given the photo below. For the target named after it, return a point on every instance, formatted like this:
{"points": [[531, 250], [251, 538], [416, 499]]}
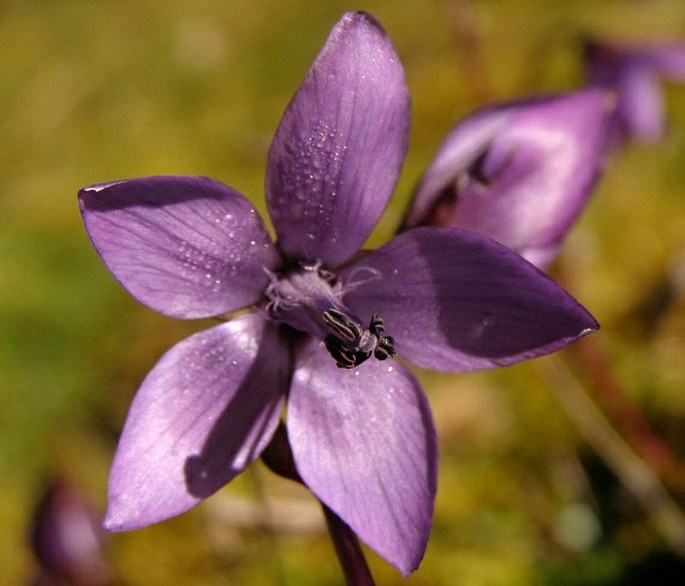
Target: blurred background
{"points": [[565, 470]]}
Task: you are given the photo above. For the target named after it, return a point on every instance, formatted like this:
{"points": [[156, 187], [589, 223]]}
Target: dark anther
{"points": [[385, 345], [351, 343], [344, 356], [385, 348], [343, 325]]}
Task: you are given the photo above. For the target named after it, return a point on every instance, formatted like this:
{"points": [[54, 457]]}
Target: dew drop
{"points": [[317, 163], [488, 320]]}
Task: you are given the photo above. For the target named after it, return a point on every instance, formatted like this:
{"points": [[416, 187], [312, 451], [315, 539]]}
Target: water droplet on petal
{"points": [[488, 320]]}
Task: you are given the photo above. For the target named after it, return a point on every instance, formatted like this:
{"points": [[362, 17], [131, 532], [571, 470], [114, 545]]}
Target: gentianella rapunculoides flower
{"points": [[635, 71], [325, 319], [519, 172]]}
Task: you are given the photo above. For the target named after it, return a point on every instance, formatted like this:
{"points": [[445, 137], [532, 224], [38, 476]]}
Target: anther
{"points": [[351, 344]]}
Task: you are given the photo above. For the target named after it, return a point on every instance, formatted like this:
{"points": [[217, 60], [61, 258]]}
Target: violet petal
{"points": [[187, 247], [457, 301], [364, 443], [669, 58], [67, 538], [461, 147], [338, 150], [520, 173], [634, 71], [204, 412], [641, 106]]}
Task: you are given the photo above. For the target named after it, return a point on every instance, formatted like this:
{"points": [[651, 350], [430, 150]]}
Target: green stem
{"points": [[279, 458], [349, 551], [632, 471]]}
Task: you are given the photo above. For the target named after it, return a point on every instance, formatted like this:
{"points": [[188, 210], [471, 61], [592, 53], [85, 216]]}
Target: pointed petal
{"points": [[635, 71], [338, 150], [520, 173], [187, 247], [364, 443], [641, 107], [458, 301], [669, 58], [462, 146], [205, 411]]}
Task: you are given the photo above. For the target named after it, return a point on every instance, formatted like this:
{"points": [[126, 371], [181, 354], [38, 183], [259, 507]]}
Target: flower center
{"points": [[309, 299]]}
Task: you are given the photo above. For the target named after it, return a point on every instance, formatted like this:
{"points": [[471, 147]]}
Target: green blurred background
{"points": [[94, 90]]}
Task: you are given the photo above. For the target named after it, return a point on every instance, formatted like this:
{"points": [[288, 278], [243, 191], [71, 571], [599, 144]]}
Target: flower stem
{"points": [[279, 459], [635, 475], [349, 552], [625, 413], [467, 40], [590, 356]]}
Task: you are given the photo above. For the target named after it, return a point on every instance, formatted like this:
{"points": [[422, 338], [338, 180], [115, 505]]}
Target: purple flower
{"points": [[635, 72], [519, 172], [67, 539], [325, 319]]}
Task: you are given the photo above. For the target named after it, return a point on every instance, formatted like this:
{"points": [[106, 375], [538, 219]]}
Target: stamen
{"points": [[351, 344], [309, 299]]}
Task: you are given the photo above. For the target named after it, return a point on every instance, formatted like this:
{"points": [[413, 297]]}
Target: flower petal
{"points": [[669, 58], [519, 173], [641, 108], [338, 150], [634, 71], [187, 247], [205, 411], [462, 146], [458, 301], [364, 443]]}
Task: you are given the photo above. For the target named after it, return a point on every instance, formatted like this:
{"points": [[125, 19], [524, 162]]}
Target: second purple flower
{"points": [[519, 172]]}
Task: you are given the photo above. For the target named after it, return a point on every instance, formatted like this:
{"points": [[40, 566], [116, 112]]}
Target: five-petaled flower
{"points": [[635, 72], [325, 318], [519, 172]]}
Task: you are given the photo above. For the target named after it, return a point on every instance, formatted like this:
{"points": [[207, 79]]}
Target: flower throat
{"points": [[309, 299]]}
